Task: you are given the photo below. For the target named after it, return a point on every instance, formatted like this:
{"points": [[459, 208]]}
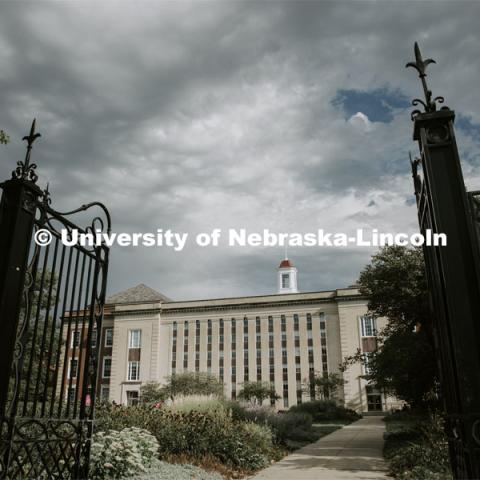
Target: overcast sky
{"points": [[291, 116]]}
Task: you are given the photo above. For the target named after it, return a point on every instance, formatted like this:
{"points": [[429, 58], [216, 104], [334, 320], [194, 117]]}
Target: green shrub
{"points": [[296, 427], [237, 411], [198, 403], [286, 427], [168, 471], [116, 454], [325, 410], [419, 451], [196, 434]]}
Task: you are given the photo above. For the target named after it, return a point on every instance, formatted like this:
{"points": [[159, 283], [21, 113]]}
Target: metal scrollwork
{"points": [[438, 134], [417, 180], [476, 431], [420, 65], [19, 346], [26, 170]]}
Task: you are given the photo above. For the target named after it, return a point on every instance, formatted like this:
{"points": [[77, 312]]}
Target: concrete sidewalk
{"points": [[353, 452]]}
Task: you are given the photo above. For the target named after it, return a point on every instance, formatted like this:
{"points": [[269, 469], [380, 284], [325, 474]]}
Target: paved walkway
{"points": [[352, 452]]}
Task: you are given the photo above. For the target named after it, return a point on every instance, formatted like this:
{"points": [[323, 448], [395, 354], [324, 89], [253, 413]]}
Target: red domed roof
{"points": [[286, 264]]}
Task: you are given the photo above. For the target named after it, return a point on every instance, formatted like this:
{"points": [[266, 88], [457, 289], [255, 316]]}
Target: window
{"points": [[104, 393], [133, 370], [71, 395], [94, 339], [369, 326], [132, 397], [73, 368], [285, 280], [109, 337], [75, 342], [107, 367], [135, 339]]}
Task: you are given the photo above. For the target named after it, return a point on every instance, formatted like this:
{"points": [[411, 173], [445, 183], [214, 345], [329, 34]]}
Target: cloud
{"points": [[196, 115]]}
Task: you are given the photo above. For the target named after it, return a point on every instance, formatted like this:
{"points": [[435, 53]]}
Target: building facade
{"points": [[282, 339]]}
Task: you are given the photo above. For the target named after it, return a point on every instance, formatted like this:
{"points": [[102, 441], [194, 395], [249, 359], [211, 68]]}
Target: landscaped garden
{"points": [[182, 432], [404, 364], [416, 446]]}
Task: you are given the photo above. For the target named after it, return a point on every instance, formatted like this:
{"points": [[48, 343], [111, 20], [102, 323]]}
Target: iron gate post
{"points": [[453, 275], [17, 216]]}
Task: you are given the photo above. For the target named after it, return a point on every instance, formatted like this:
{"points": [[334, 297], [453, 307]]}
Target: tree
{"points": [[151, 392], [35, 366], [257, 392], [404, 362], [4, 138], [325, 385], [396, 287], [191, 383]]}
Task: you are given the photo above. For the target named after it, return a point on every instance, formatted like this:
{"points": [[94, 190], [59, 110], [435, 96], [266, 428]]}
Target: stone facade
{"points": [[279, 338]]}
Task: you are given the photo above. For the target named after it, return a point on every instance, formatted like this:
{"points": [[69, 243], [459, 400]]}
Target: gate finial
{"points": [[26, 170], [420, 65]]}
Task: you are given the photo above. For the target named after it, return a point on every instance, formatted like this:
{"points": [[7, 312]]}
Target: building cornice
{"points": [[285, 302]]}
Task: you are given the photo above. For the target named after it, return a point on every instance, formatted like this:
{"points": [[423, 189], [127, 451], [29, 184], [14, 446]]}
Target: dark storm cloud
{"points": [[192, 116]]}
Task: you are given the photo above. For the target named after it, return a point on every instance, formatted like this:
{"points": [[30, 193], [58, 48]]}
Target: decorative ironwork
{"points": [[26, 170], [420, 65], [47, 395], [474, 198], [453, 275]]}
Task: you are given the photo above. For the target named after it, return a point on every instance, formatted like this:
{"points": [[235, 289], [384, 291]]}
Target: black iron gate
{"points": [[51, 311], [453, 272]]}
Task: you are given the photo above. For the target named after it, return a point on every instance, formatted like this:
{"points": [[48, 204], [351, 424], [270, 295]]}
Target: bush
{"points": [[196, 434], [419, 451], [198, 403], [168, 471], [286, 427], [296, 427], [116, 454], [324, 410]]}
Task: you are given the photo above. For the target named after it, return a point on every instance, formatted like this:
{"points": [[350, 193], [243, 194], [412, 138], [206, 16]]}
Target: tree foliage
{"points": [[151, 392], [191, 383], [404, 362], [4, 138], [257, 392], [396, 287], [326, 385], [41, 332]]}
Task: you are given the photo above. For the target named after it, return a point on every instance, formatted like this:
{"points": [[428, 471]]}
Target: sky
{"points": [[190, 116]]}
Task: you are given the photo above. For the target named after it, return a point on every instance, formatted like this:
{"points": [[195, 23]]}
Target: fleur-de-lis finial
{"points": [[32, 136], [26, 170], [420, 65], [46, 195]]}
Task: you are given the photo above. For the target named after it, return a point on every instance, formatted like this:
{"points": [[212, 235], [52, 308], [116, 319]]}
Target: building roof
{"points": [[286, 264], [138, 294]]}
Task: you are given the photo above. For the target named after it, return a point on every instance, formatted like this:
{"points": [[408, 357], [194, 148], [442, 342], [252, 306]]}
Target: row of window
{"points": [[133, 368], [134, 338], [104, 393], [258, 355], [75, 338]]}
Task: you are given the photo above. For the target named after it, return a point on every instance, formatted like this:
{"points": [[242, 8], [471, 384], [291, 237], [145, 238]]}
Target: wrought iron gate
{"points": [[51, 311], [453, 272]]}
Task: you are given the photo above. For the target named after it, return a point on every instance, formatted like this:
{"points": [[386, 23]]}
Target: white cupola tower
{"points": [[287, 277]]}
